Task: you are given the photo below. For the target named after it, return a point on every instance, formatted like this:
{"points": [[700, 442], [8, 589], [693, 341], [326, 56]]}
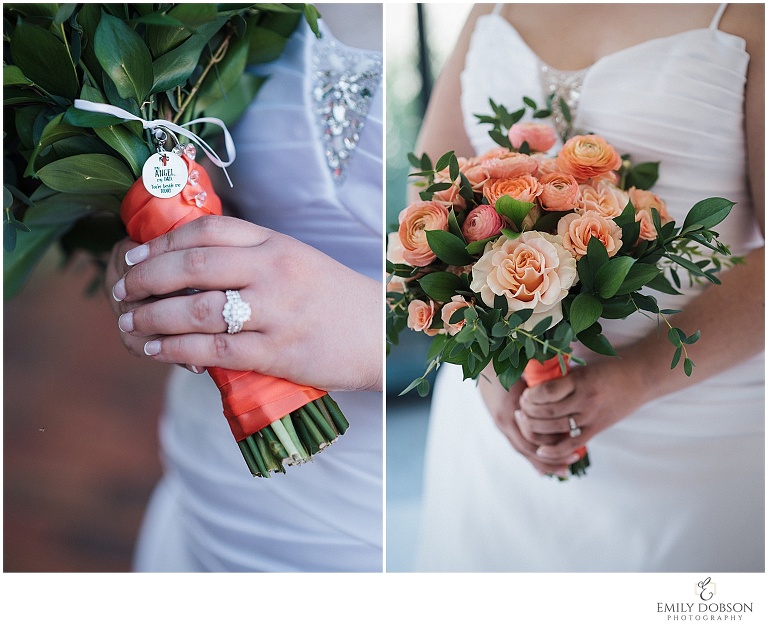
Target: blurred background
{"points": [[80, 453], [419, 38]]}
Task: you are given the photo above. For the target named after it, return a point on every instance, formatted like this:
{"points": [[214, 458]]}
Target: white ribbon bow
{"points": [[229, 144]]}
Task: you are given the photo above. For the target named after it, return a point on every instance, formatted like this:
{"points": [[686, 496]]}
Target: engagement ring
{"points": [[575, 430], [236, 312]]}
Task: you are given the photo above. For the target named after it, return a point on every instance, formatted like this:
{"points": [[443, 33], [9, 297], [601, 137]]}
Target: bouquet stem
{"points": [[536, 373], [293, 439]]}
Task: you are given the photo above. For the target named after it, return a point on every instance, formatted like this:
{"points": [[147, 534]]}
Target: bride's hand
{"points": [[313, 321], [595, 396], [504, 407]]}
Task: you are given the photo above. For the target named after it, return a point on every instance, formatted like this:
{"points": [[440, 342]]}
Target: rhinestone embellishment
{"points": [[566, 85], [345, 81], [236, 312]]}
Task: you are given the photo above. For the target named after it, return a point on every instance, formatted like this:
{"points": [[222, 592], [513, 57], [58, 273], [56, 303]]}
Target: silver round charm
{"points": [[236, 312], [164, 174]]}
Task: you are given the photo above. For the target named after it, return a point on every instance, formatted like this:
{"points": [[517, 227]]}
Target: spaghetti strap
{"points": [[497, 9], [718, 15]]}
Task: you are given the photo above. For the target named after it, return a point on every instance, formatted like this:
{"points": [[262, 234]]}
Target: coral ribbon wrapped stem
{"points": [[263, 411], [536, 373]]}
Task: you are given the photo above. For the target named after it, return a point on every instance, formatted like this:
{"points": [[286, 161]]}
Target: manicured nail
{"points": [[152, 348], [137, 255], [125, 322], [118, 291], [573, 459], [194, 369]]}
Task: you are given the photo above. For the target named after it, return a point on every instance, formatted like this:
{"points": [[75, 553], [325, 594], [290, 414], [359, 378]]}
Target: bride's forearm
{"points": [[730, 317]]}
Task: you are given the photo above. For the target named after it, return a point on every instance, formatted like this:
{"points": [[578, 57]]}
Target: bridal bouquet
{"points": [[511, 257], [93, 94]]}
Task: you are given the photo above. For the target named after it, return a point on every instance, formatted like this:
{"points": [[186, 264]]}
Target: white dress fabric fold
{"points": [[208, 513], [679, 485]]}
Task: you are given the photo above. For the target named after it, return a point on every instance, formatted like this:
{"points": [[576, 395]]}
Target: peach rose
{"points": [[643, 200], [533, 271], [420, 315], [540, 137], [457, 302], [607, 199], [482, 222], [511, 165], [577, 229], [525, 188], [414, 220], [588, 156], [475, 173], [560, 192], [498, 151]]}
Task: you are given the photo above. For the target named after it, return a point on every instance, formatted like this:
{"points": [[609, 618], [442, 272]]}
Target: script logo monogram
{"points": [[706, 594]]}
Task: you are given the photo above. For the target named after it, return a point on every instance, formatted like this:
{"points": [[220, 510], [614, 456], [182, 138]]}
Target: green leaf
{"points": [[53, 132], [12, 75], [674, 335], [448, 248], [441, 286], [609, 278], [708, 212], [474, 248], [597, 254], [643, 175], [690, 266], [639, 275], [65, 209], [30, 248], [43, 58], [585, 311], [237, 101], [443, 161], [513, 209], [86, 174], [175, 67], [131, 148], [597, 343], [676, 357], [224, 76], [124, 57], [190, 16], [688, 366], [661, 284]]}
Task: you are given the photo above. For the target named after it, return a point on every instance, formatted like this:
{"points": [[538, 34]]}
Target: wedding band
{"points": [[236, 312], [575, 431]]}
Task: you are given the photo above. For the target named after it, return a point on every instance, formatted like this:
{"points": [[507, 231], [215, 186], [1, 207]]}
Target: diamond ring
{"points": [[575, 431], [236, 312]]}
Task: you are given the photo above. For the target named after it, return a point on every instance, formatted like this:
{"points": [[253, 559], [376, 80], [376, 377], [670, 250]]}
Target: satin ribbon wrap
{"points": [[536, 373], [251, 400]]}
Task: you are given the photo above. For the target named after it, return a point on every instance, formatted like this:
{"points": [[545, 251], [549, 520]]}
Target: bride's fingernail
{"points": [[118, 291], [194, 369], [573, 459], [152, 348], [137, 255], [125, 322]]}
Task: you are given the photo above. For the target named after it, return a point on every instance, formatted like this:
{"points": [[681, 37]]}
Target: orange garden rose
{"points": [[420, 315], [457, 302], [533, 271], [414, 220], [607, 199], [643, 200], [540, 137], [577, 229], [560, 192], [482, 222], [525, 188], [510, 165], [588, 156]]}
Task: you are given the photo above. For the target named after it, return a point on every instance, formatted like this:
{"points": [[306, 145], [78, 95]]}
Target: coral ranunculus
{"points": [[482, 222], [540, 137], [560, 192], [414, 221], [588, 156], [577, 229], [533, 271], [510, 165], [525, 188]]}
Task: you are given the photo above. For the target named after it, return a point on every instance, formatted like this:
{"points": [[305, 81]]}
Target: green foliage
{"points": [[157, 61]]}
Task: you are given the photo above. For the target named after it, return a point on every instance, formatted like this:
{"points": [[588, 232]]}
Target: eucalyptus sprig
{"points": [[66, 169]]}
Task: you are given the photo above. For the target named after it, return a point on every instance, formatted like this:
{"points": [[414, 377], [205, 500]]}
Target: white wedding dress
{"points": [[679, 485], [208, 513]]}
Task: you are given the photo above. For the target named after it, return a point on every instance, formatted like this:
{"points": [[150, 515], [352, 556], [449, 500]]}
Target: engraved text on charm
{"points": [[164, 174]]}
